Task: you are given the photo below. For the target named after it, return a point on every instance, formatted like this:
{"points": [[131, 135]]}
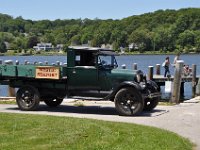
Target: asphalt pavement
{"points": [[183, 119]]}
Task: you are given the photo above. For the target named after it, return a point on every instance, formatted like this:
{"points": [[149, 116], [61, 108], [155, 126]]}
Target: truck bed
{"points": [[53, 72]]}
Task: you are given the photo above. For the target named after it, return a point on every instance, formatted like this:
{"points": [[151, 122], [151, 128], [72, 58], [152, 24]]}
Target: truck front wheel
{"points": [[129, 102], [150, 104], [28, 98], [53, 102]]}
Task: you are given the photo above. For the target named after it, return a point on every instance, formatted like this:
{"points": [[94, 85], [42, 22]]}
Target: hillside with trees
{"points": [[162, 31]]}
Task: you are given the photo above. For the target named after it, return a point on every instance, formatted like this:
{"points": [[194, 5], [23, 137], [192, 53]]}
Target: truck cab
{"points": [[89, 70]]}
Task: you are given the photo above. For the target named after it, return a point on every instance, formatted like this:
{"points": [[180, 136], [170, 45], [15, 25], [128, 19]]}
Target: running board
{"points": [[153, 95], [88, 98]]}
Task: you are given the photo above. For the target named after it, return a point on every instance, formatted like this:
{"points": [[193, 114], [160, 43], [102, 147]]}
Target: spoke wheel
{"points": [[53, 102], [129, 102], [28, 98]]}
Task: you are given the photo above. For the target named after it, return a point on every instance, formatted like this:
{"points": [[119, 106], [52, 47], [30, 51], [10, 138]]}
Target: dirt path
{"points": [[183, 119]]}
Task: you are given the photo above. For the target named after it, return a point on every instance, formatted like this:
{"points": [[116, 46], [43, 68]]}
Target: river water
{"points": [[143, 61]]}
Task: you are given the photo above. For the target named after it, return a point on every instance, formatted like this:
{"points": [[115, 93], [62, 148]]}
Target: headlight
{"points": [[139, 76]]}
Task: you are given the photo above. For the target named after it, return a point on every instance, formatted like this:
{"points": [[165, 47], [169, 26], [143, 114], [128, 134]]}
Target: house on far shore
{"points": [[7, 45], [107, 46], [43, 46], [132, 46], [59, 47]]}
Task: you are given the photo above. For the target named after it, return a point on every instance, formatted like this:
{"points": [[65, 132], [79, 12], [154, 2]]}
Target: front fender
{"points": [[132, 84], [152, 84]]}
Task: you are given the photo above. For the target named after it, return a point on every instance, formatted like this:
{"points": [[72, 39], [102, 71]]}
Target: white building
{"points": [[43, 46], [59, 47]]}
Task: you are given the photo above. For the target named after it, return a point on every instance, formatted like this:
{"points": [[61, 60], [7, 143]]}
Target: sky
{"points": [[102, 9]]}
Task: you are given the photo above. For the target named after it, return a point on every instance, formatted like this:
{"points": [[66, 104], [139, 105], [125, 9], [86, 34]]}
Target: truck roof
{"points": [[97, 50]]}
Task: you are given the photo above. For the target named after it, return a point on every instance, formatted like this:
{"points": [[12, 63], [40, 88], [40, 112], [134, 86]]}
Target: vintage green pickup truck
{"points": [[90, 73]]}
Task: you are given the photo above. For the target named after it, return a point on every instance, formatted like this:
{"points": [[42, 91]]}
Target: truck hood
{"points": [[120, 75]]}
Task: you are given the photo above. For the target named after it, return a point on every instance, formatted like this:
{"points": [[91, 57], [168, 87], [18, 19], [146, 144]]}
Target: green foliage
{"points": [[32, 41], [162, 30], [2, 47], [65, 47]]}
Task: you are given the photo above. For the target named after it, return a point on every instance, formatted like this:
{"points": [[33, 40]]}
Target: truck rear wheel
{"points": [[129, 102], [28, 98], [53, 102]]}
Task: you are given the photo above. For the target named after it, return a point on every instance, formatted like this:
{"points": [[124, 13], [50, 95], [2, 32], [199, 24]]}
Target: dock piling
{"points": [[157, 69], [135, 66], [194, 67], [25, 62], [11, 91], [150, 73], [177, 82], [17, 62]]}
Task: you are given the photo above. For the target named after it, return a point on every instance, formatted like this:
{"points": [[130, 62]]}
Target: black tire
{"points": [[129, 102], [28, 98], [53, 102], [150, 104]]}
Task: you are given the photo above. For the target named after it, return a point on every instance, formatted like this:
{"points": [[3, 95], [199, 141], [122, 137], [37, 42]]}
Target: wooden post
{"points": [[11, 91], [157, 69], [123, 66], [135, 66], [58, 63], [177, 82], [198, 88], [17, 62], [182, 90], [150, 73], [194, 67], [25, 62], [1, 61]]}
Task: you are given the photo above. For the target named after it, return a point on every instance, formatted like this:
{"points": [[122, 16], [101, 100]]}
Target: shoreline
{"points": [[64, 54]]}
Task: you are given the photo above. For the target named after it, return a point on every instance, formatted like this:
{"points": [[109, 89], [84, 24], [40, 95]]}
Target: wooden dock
{"points": [[162, 79], [178, 80]]}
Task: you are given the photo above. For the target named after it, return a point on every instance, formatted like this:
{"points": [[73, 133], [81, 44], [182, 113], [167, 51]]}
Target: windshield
{"points": [[107, 62]]}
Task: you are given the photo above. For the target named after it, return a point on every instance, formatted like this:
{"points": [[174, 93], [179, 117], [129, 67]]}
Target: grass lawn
{"points": [[35, 132], [8, 102]]}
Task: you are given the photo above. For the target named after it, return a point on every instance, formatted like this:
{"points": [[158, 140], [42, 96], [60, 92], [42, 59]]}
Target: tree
{"points": [[2, 46], [60, 38], [141, 38], [76, 40], [19, 43], [186, 38], [197, 41], [163, 38], [32, 41], [48, 38]]}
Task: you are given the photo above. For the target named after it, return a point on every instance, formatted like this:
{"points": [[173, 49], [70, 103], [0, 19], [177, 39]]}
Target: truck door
{"points": [[84, 74]]}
